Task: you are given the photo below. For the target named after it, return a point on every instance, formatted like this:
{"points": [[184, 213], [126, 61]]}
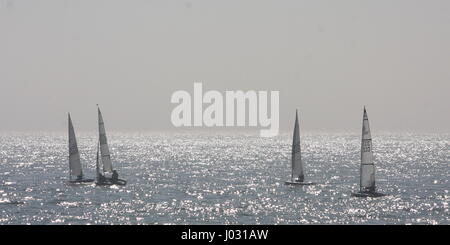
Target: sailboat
{"points": [[75, 169], [367, 169], [297, 176], [104, 158]]}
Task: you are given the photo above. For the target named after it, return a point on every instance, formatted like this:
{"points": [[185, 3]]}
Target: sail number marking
{"points": [[366, 146], [296, 148]]}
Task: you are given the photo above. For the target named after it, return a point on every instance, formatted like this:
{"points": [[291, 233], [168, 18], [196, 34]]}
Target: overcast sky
{"points": [[327, 58]]}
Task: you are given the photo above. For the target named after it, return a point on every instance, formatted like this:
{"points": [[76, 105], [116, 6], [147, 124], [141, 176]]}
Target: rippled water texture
{"points": [[224, 179]]}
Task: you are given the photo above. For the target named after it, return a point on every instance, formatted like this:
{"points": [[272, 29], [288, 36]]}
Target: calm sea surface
{"points": [[224, 179]]}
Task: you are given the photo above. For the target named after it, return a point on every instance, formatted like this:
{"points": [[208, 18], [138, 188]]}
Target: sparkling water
{"points": [[224, 178]]}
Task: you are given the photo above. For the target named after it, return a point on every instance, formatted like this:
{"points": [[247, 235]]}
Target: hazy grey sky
{"points": [[327, 58]]}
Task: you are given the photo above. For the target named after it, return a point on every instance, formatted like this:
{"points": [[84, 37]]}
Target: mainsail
{"points": [[74, 155], [104, 150], [297, 166], [367, 182]]}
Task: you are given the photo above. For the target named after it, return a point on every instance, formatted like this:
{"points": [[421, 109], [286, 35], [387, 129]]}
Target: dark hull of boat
{"points": [[298, 183], [110, 182], [368, 194], [81, 181]]}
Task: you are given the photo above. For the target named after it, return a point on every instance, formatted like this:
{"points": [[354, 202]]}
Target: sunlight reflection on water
{"points": [[224, 179]]}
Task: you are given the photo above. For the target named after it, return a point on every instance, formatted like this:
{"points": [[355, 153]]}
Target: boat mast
{"points": [[70, 165], [97, 161]]}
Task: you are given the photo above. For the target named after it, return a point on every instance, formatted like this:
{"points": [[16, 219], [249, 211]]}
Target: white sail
{"points": [[104, 150], [74, 155], [367, 182], [297, 166]]}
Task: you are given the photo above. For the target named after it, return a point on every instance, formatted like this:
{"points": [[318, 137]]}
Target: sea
{"points": [[224, 178]]}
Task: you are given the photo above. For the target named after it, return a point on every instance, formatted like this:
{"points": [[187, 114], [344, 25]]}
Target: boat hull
{"points": [[298, 183], [81, 181], [368, 194], [110, 182]]}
